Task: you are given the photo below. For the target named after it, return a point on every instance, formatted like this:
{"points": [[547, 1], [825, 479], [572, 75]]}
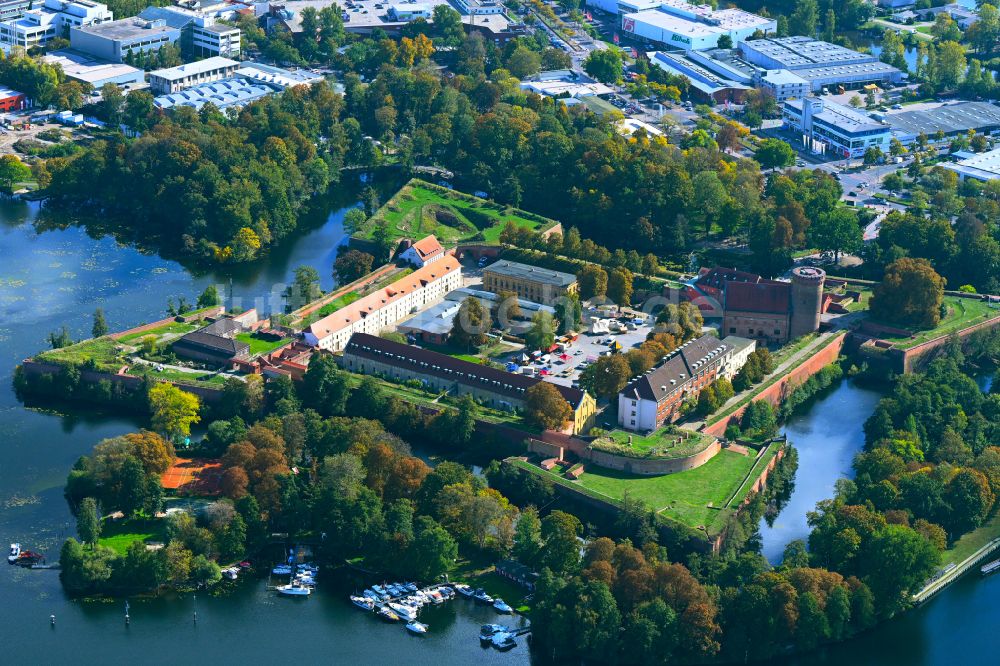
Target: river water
{"points": [[58, 277]]}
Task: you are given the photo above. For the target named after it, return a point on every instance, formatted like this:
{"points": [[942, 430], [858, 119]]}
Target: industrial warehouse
{"points": [[677, 24]]}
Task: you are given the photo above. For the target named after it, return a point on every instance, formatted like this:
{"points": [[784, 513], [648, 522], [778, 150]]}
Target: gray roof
{"points": [[216, 338], [521, 271], [951, 119], [675, 373]]}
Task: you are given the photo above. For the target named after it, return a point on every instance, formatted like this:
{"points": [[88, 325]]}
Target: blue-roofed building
{"points": [[223, 94]]}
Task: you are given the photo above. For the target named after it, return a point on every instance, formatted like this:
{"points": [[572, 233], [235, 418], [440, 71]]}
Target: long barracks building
{"points": [[372, 355]]}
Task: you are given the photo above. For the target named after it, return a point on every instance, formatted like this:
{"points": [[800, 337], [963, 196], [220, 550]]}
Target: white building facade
{"points": [[54, 18], [834, 128], [386, 307]]}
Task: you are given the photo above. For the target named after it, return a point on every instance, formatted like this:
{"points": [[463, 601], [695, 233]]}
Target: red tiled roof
{"points": [[719, 276], [427, 247], [767, 296]]}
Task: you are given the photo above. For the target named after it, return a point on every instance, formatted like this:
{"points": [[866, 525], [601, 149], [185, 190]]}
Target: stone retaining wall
{"points": [[779, 390], [131, 382], [652, 466], [169, 320]]}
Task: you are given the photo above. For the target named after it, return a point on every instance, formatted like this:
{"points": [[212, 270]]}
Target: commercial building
{"points": [[983, 166], [710, 79], [783, 84], [656, 397], [532, 283], [277, 76], [215, 343], [196, 35], [175, 79], [385, 307], [12, 9], [949, 119], [425, 251], [372, 355], [54, 18], [772, 311], [835, 128], [411, 11], [821, 64], [479, 7], [12, 100], [85, 68], [680, 25]]}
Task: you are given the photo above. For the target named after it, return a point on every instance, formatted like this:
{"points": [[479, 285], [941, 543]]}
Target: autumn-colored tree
{"points": [[910, 294], [546, 407], [154, 452]]}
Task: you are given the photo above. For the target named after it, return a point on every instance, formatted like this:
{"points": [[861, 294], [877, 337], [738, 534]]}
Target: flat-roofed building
{"points": [[532, 283], [277, 76], [175, 79], [949, 119], [835, 128], [983, 166], [784, 84], [12, 9], [479, 7], [681, 25], [85, 68], [12, 100], [154, 28], [54, 18], [820, 63], [709, 79], [656, 397], [506, 391], [223, 94], [385, 307]]}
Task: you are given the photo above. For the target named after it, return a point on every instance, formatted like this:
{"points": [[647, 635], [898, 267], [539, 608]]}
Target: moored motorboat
{"points": [[294, 590], [990, 567], [365, 603], [15, 552], [503, 641], [231, 572], [487, 631], [388, 615], [464, 589], [417, 628], [501, 606], [482, 597], [406, 612], [282, 570]]}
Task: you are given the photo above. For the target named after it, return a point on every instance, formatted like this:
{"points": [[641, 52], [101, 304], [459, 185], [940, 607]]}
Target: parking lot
{"points": [[586, 350]]}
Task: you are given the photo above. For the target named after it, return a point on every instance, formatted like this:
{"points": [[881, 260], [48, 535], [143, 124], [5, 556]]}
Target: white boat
{"points": [[503, 640], [411, 587], [294, 590], [388, 615], [417, 628], [15, 552], [501, 606], [436, 597], [406, 612], [487, 631], [372, 594], [363, 602], [482, 597], [231, 572], [282, 570], [464, 589]]}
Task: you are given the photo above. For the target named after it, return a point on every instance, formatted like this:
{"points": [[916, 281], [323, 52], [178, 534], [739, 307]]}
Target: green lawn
{"points": [[119, 534], [175, 328], [962, 313], [660, 444], [206, 378], [972, 541], [420, 209], [683, 497], [260, 345], [103, 351]]}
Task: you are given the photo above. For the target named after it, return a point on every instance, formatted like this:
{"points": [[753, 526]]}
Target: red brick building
{"points": [[12, 100]]}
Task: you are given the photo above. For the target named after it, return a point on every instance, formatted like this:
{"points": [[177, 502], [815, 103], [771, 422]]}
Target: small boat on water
{"points": [[364, 603], [15, 552], [990, 567], [282, 570], [231, 573], [410, 587], [487, 631], [294, 590], [501, 606], [464, 589], [28, 559], [482, 597], [388, 614], [408, 613], [503, 641], [417, 628]]}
